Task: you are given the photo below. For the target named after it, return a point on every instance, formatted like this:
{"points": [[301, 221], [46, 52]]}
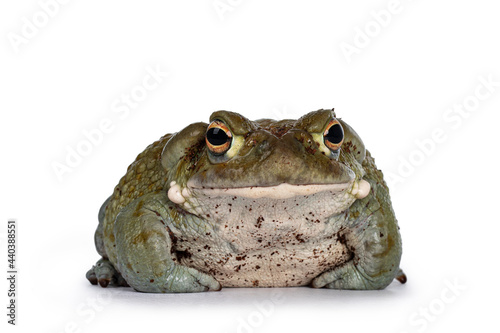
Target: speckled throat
{"points": [[244, 241]]}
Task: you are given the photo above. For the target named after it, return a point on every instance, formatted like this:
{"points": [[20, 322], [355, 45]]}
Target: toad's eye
{"points": [[333, 135], [218, 137]]}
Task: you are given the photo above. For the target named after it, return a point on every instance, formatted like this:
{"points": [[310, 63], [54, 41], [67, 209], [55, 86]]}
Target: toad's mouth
{"points": [[357, 188]]}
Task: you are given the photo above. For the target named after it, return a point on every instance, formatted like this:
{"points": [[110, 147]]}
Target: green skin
{"points": [[206, 236]]}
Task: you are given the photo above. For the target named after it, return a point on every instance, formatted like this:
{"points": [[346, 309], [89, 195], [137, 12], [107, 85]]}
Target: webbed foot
{"points": [[350, 276], [177, 279]]}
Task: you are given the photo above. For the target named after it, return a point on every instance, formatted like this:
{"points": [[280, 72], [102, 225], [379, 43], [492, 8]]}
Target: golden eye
{"points": [[333, 135], [218, 137]]}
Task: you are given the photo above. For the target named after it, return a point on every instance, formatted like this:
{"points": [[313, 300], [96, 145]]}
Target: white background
{"points": [[277, 59]]}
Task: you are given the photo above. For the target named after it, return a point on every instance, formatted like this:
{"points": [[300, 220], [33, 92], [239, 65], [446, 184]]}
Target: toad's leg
{"points": [[372, 235], [145, 255]]}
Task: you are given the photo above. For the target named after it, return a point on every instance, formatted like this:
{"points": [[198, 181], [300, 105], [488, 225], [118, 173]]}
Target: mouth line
{"points": [[281, 191], [358, 189]]}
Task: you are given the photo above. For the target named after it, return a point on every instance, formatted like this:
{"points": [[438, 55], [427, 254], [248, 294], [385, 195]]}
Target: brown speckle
{"points": [[299, 238], [260, 219]]}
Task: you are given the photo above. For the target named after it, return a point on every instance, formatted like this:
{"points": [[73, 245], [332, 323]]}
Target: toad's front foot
{"points": [[175, 279], [186, 279], [350, 276]]}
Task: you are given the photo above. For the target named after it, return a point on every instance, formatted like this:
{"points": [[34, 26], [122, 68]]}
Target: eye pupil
{"points": [[217, 136], [335, 134]]}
